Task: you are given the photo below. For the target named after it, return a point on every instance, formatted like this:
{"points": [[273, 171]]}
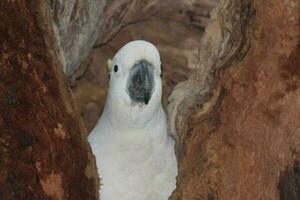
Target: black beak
{"points": [[140, 82]]}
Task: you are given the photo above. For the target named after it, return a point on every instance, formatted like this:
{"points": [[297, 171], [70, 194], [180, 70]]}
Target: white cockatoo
{"points": [[134, 154]]}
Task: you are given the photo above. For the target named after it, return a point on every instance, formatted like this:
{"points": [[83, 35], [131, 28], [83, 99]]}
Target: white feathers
{"points": [[134, 154]]}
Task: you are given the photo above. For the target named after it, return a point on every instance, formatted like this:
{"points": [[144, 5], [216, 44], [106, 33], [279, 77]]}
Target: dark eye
{"points": [[115, 68]]}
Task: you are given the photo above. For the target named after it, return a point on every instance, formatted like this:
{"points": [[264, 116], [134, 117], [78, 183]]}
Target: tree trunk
{"points": [[236, 118], [76, 26], [44, 153]]}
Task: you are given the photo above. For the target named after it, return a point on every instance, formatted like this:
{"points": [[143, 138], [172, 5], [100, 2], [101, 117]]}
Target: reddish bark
{"points": [[43, 148], [242, 139]]}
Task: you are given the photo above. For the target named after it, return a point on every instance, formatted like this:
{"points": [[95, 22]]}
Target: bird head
{"points": [[135, 82]]}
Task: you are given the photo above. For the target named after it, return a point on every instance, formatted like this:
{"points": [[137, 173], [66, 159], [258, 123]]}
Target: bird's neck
{"points": [[131, 118], [134, 118]]}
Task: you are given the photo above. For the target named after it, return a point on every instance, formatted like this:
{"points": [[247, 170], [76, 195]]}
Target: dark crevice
{"points": [[289, 183]]}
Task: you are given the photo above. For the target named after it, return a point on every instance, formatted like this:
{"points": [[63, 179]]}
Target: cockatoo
{"points": [[134, 154]]}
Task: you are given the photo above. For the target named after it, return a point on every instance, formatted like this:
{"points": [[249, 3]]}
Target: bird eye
{"points": [[115, 68]]}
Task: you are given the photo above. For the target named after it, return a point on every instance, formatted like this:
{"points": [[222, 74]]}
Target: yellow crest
{"points": [[108, 66]]}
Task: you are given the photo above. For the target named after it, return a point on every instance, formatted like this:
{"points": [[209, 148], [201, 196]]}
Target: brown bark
{"points": [[123, 13], [76, 26], [236, 118], [43, 148]]}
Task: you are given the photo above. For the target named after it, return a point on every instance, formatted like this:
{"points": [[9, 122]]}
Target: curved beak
{"points": [[140, 83]]}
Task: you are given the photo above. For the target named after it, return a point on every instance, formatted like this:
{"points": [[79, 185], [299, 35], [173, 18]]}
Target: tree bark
{"points": [[44, 152], [236, 118], [76, 26]]}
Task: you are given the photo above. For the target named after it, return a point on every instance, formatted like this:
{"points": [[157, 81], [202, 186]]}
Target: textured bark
{"points": [[44, 153], [236, 118], [76, 25], [120, 14]]}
